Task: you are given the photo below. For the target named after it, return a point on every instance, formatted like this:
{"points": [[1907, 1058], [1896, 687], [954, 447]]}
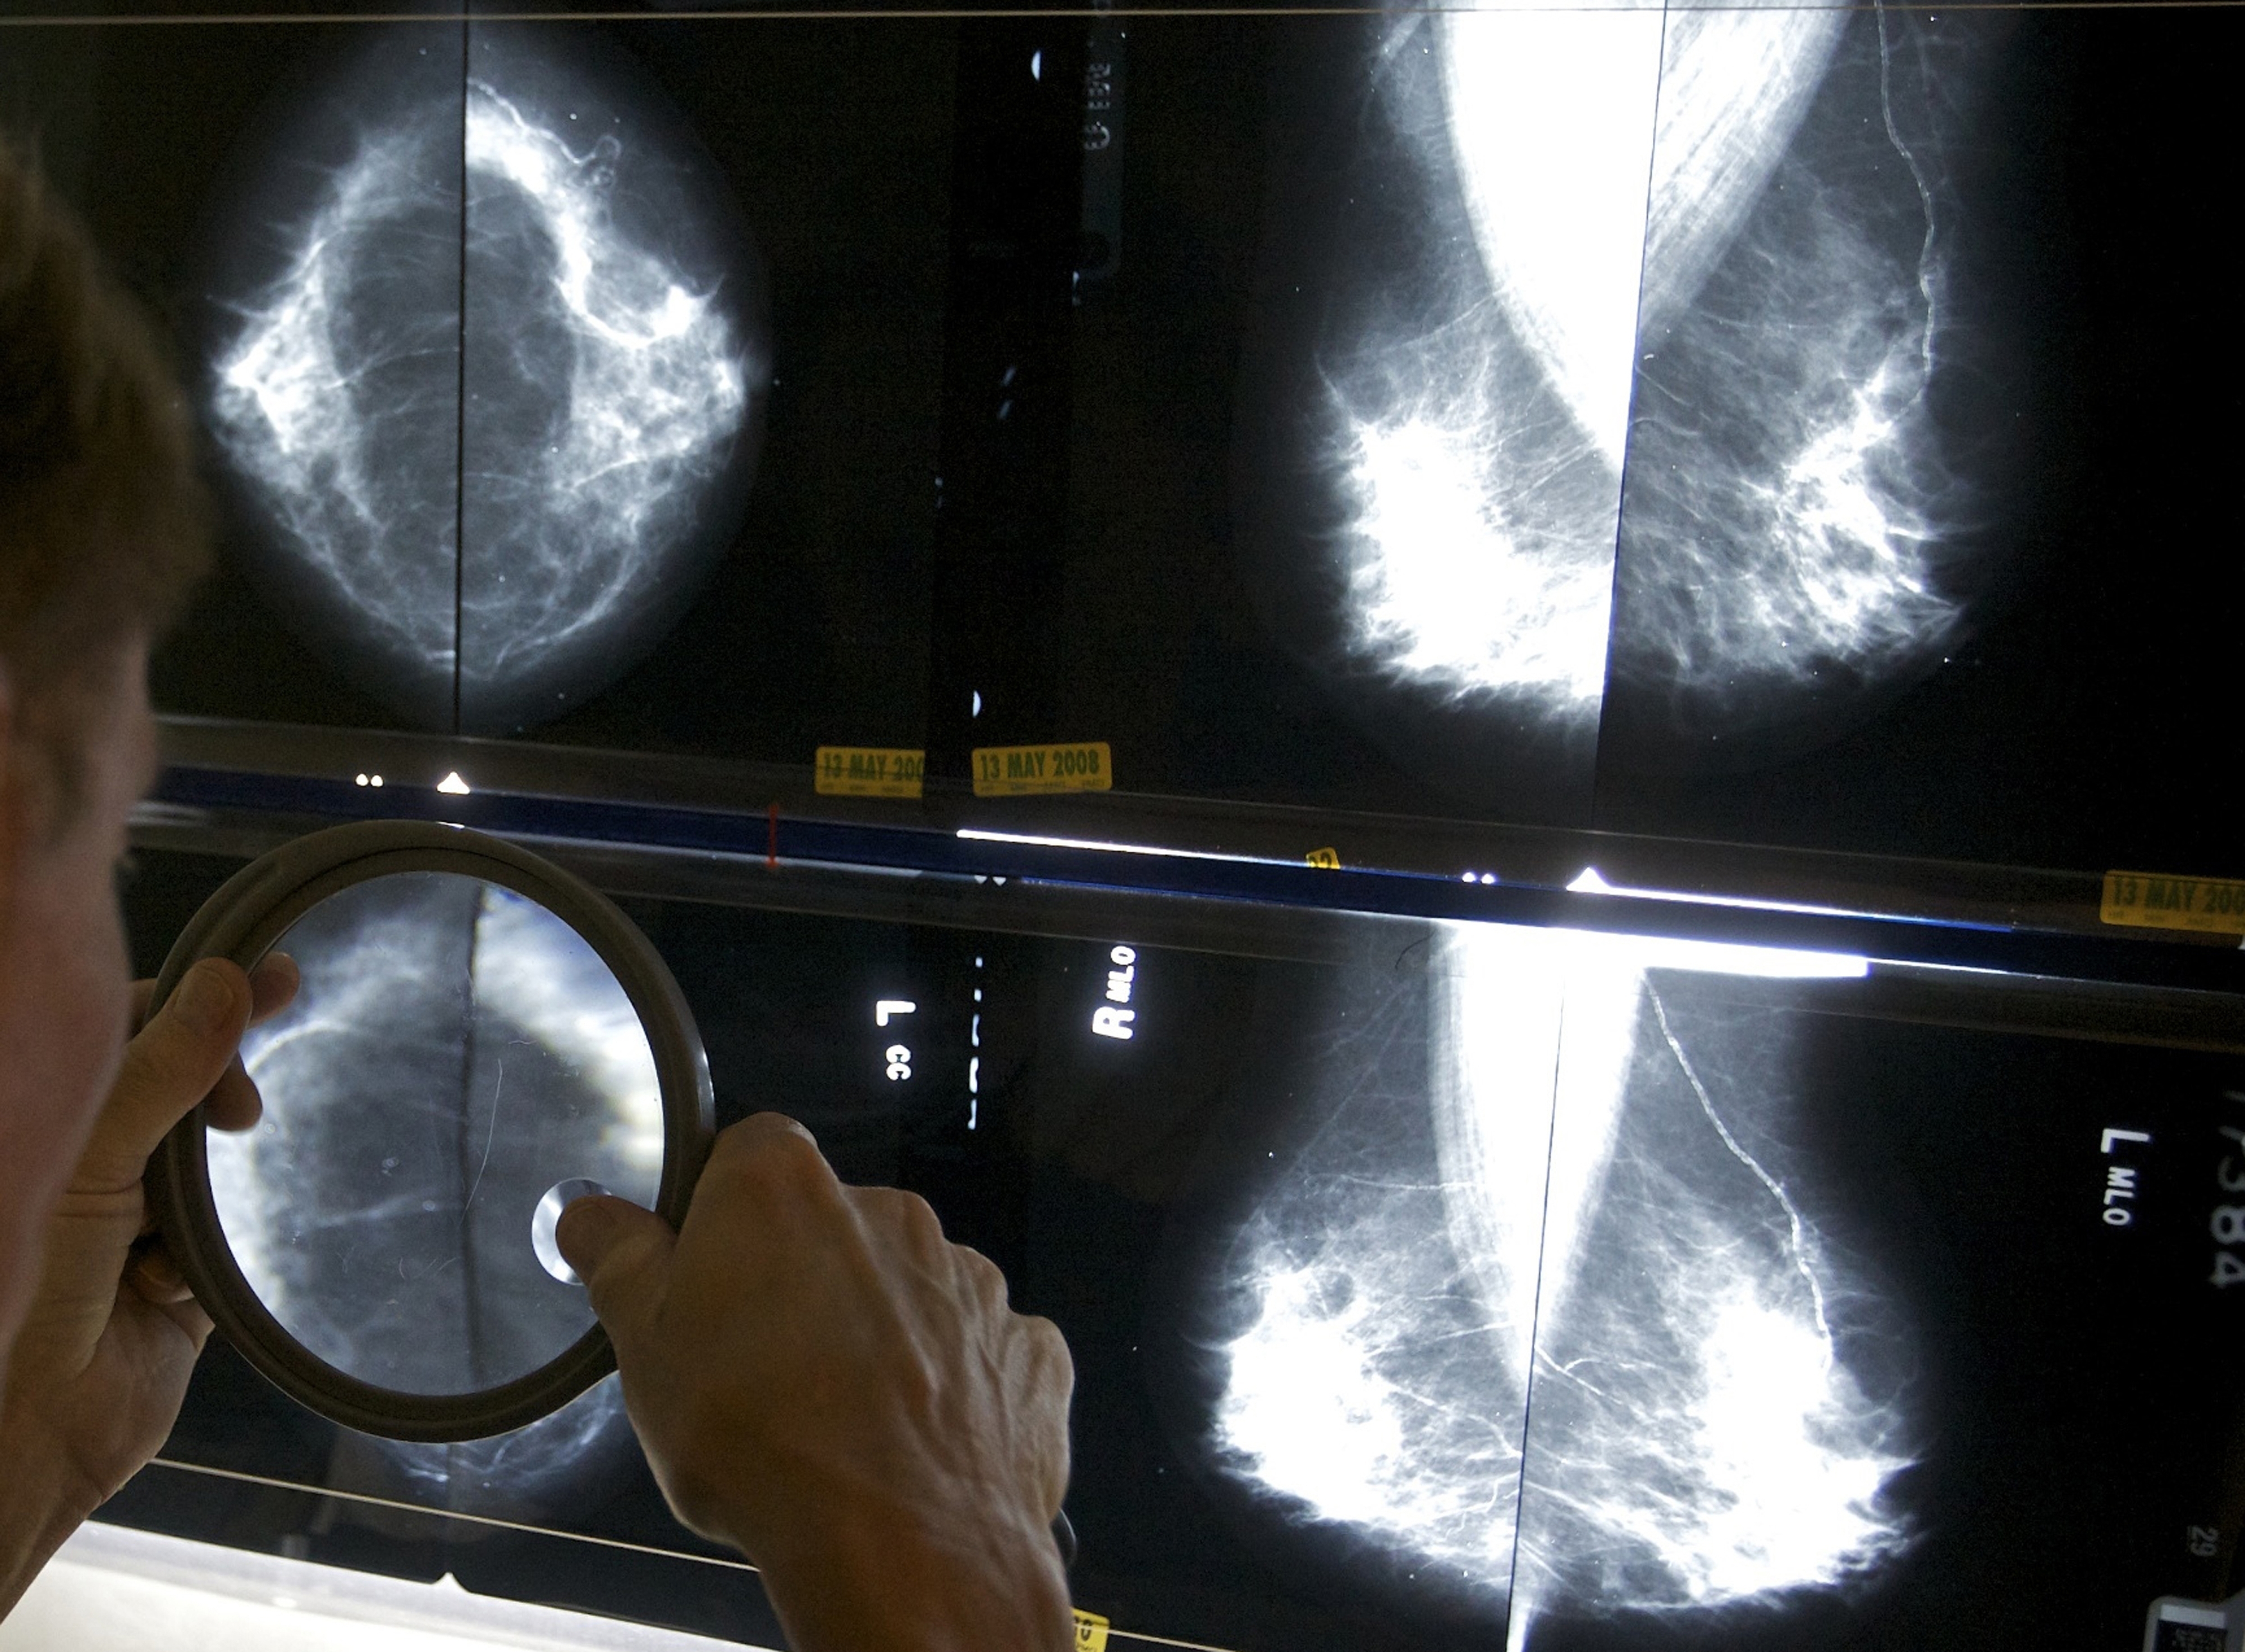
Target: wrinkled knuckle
{"points": [[982, 1277], [767, 1158], [1048, 1350], [916, 1383], [151, 1061], [905, 1216], [918, 1219]]}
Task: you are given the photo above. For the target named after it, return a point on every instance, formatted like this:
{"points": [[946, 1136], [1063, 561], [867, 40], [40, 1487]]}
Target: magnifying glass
{"points": [[479, 1038]]}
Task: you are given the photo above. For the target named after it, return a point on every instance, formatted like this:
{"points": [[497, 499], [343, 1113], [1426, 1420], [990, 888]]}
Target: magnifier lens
{"points": [[456, 1058]]}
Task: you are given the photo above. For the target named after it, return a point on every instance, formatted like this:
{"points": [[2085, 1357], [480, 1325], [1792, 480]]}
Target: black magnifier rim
{"points": [[242, 921]]}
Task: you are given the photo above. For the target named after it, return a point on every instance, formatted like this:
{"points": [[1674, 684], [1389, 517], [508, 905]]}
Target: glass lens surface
{"points": [[455, 1052]]}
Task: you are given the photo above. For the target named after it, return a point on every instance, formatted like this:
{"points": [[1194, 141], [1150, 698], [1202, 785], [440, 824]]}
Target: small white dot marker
{"points": [[362, 780]]}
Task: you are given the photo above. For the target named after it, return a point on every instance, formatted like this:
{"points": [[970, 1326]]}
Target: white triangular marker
{"points": [[452, 785]]}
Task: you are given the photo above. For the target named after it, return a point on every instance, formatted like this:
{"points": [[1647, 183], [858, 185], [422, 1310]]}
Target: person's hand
{"points": [[824, 1382], [97, 1373]]}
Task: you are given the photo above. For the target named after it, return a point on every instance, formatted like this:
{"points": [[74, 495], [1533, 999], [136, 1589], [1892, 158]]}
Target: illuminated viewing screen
{"points": [[1428, 1284], [1769, 423]]}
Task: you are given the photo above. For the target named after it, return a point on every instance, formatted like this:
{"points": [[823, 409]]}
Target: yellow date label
{"points": [[870, 771], [1090, 1632], [2155, 900], [1012, 771]]}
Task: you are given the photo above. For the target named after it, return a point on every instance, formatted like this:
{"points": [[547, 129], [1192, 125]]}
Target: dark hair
{"points": [[103, 520]]}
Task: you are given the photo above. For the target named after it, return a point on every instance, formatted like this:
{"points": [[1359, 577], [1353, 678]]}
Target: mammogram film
{"points": [[454, 1051], [1584, 1218], [1592, 1291], [1696, 250], [491, 393]]}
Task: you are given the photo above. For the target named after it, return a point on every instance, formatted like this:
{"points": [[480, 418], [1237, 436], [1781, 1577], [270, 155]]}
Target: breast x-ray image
{"points": [[1800, 524], [1560, 1205], [486, 362], [1592, 1293], [1670, 281], [455, 1052]]}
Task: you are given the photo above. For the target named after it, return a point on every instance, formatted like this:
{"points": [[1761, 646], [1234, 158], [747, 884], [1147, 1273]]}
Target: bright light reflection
{"points": [[1551, 124], [1109, 846], [1589, 882]]}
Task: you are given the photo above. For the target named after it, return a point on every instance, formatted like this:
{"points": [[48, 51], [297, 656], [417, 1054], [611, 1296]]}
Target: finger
{"points": [[234, 1102], [980, 1280], [189, 1317], [906, 1221], [156, 1278], [1049, 1383], [170, 1064], [763, 1166], [623, 1253], [273, 986], [759, 1129], [1052, 1366]]}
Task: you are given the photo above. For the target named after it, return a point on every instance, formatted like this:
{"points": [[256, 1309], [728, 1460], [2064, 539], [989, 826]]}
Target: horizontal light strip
{"points": [[1036, 841], [1729, 958], [1589, 883]]}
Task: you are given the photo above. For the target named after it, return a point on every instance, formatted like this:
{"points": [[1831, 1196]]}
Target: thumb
{"points": [[623, 1253], [170, 1064]]}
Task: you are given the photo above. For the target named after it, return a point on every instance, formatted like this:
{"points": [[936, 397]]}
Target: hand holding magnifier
{"points": [[479, 1037]]}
